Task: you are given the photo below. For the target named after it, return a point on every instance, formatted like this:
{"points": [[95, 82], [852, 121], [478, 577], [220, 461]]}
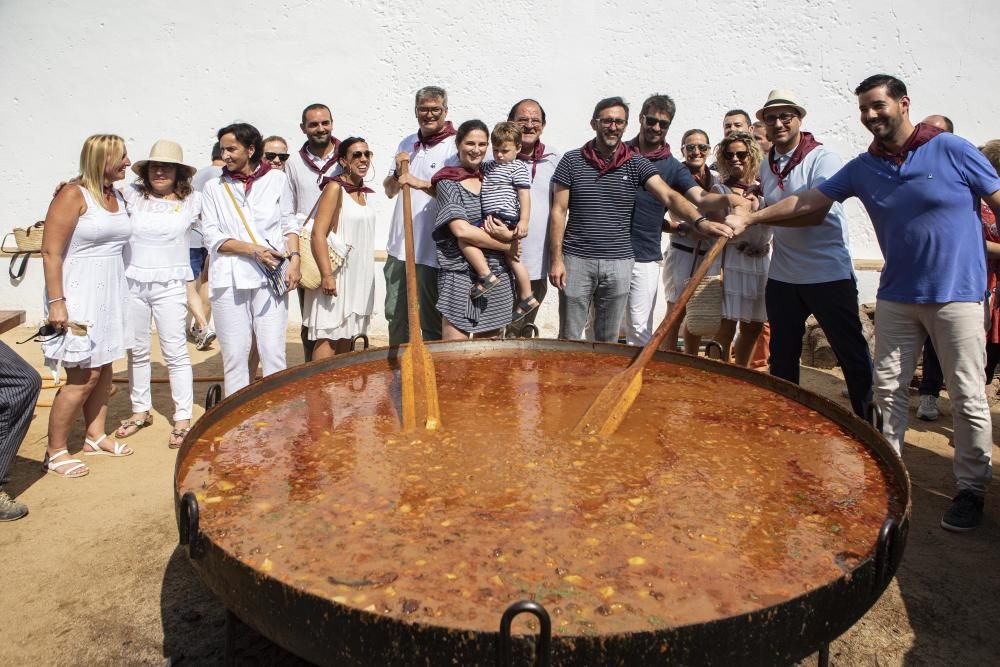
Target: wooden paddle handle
{"points": [[412, 304], [677, 313]]}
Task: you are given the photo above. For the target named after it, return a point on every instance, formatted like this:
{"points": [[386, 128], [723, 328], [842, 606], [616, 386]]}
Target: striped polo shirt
{"points": [[500, 185], [600, 207]]}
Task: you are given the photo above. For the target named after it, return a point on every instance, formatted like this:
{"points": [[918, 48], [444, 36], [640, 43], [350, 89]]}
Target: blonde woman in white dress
{"points": [[341, 307], [86, 230]]}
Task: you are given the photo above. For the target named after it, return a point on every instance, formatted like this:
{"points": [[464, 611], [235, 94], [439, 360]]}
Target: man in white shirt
{"points": [[428, 150]]}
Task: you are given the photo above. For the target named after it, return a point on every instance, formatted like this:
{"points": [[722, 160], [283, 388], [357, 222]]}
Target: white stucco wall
{"points": [[182, 69]]}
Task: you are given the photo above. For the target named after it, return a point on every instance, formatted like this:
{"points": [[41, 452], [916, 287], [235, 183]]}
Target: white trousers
{"points": [[166, 305], [956, 330], [641, 302], [239, 314]]}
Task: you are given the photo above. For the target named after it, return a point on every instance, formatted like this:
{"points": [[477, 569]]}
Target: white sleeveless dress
{"points": [[347, 314], [95, 289]]}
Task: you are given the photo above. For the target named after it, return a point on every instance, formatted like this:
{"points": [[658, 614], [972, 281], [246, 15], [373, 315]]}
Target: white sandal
{"points": [[52, 468], [119, 448]]}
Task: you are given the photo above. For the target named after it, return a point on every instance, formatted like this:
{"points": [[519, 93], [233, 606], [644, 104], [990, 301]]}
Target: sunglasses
{"points": [[45, 333], [741, 155], [653, 122], [271, 157], [785, 117], [702, 148]]}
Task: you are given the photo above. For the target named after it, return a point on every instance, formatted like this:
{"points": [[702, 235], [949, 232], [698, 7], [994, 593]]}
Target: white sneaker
{"points": [[928, 409], [203, 339]]}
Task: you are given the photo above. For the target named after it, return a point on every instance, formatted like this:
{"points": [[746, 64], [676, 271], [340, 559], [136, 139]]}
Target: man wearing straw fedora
{"points": [[811, 272], [919, 185]]}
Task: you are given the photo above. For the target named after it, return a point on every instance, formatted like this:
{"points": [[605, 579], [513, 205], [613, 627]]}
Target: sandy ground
{"points": [[94, 575]]}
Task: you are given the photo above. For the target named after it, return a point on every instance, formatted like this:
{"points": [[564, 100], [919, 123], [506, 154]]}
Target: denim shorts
{"points": [[198, 257]]}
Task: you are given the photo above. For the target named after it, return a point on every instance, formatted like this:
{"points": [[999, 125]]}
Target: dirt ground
{"points": [[94, 575]]}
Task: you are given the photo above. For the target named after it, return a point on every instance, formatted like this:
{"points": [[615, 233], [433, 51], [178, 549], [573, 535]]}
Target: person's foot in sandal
{"points": [[60, 464], [132, 425], [95, 448], [483, 285], [181, 428], [524, 307]]}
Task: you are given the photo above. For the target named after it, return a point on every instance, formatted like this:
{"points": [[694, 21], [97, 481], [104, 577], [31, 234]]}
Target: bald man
{"points": [[940, 122]]}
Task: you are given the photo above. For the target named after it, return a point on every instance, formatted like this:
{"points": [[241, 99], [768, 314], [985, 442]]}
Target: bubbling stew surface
{"points": [[716, 497]]}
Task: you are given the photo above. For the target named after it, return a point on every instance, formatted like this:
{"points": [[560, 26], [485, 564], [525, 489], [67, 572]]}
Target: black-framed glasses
{"points": [[357, 154], [653, 122], [45, 333], [741, 155], [785, 117], [529, 122], [430, 111], [271, 157], [612, 122], [701, 148]]}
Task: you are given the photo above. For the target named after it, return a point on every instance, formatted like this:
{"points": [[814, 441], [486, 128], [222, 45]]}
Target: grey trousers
{"points": [[19, 387], [603, 283]]}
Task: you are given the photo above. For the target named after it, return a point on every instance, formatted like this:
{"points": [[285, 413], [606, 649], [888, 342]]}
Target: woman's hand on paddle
{"points": [[710, 229], [738, 222]]}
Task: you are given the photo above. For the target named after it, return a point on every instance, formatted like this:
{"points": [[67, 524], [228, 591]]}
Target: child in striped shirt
{"points": [[506, 195]]}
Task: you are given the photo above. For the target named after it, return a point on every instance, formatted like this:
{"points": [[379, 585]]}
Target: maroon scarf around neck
{"points": [[447, 131], [534, 157], [308, 161], [747, 188], [248, 179], [661, 153], [922, 133], [621, 155], [455, 174], [349, 188], [806, 144]]}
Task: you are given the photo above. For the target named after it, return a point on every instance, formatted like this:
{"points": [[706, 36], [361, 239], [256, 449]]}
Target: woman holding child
{"points": [[459, 209]]}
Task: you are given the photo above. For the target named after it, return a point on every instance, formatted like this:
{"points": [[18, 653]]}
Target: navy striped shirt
{"points": [[600, 207], [500, 185]]}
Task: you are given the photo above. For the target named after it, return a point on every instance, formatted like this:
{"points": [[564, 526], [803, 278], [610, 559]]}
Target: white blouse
{"points": [[158, 248], [268, 210]]}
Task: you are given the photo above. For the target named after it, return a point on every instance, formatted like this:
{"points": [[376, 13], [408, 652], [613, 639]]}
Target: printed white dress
{"points": [[95, 289]]}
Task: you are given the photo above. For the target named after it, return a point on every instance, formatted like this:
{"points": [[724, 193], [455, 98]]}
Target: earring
{"points": [[371, 172]]}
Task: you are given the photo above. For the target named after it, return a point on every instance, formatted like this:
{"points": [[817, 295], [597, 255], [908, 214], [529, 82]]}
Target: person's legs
{"points": [[932, 378], [576, 297], [641, 302], [522, 281], [307, 344], [992, 360], [835, 305], [450, 332], [395, 300], [168, 303], [270, 320], [956, 329], [234, 323], [610, 297], [724, 337], [80, 382], [787, 313], [427, 296], [19, 388], [538, 289], [475, 257], [323, 349], [899, 334], [139, 372], [95, 414], [746, 339]]}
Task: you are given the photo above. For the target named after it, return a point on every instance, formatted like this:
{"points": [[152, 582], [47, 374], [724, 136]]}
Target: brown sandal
{"points": [[134, 424], [177, 436]]}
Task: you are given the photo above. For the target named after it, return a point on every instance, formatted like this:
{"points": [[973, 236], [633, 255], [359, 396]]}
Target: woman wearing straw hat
{"points": [[163, 208]]}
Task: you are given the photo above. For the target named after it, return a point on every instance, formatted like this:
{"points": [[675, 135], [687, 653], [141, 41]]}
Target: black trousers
{"points": [[835, 305], [932, 377], [19, 387]]}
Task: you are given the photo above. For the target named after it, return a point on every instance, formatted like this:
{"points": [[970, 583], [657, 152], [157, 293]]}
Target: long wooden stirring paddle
{"points": [[608, 410], [419, 390]]}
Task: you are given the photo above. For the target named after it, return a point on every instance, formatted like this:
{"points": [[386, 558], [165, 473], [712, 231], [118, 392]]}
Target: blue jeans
{"points": [[601, 283], [835, 305]]}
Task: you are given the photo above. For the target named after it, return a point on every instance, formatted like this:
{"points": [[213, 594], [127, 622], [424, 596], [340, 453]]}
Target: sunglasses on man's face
{"points": [[653, 122], [740, 155], [701, 148], [271, 157], [45, 333], [357, 154]]}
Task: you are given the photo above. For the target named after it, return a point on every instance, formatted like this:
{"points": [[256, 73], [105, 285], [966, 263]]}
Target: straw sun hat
{"points": [[781, 98], [167, 152]]}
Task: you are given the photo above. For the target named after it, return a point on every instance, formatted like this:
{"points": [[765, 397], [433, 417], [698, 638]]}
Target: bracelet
{"points": [[52, 301], [698, 221], [295, 253]]}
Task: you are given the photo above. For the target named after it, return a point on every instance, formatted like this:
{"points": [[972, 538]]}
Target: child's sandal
{"points": [[483, 285], [524, 307]]}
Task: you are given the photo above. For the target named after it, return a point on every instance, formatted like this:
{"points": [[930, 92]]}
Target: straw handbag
{"points": [[704, 309], [26, 241], [311, 278]]}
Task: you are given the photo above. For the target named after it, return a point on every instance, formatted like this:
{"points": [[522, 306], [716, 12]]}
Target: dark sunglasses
{"points": [[47, 330], [356, 154], [729, 155], [691, 148], [276, 156], [653, 122]]}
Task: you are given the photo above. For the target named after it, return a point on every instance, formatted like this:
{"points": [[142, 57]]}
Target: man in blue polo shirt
{"points": [[920, 187], [591, 250]]}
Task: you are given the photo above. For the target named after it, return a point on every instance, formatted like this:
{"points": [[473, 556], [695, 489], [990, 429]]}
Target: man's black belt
{"points": [[687, 248]]}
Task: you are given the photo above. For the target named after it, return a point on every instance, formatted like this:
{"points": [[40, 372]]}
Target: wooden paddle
{"points": [[419, 395], [608, 410]]}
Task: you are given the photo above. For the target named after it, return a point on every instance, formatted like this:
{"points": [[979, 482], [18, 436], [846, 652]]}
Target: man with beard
{"points": [[429, 149], [591, 251], [918, 185], [648, 216]]}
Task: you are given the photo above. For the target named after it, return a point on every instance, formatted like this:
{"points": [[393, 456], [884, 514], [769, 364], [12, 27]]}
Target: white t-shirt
{"points": [[535, 246], [808, 255], [305, 182], [424, 163], [202, 176]]}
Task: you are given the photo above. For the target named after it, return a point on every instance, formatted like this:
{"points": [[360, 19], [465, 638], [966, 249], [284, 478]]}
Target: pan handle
{"points": [[542, 644], [363, 338], [213, 396], [884, 549], [873, 415], [187, 525]]}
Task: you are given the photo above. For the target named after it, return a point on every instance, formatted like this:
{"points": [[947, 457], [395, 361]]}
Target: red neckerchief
{"points": [[534, 157], [248, 179], [661, 153], [806, 144], [311, 166], [747, 188], [447, 131], [922, 133], [349, 188], [455, 174], [704, 179], [621, 155]]}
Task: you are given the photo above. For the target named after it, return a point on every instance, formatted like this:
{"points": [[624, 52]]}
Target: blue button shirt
{"points": [[647, 217]]}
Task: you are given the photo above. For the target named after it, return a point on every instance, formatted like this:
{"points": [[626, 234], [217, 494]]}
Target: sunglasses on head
{"points": [[691, 148], [270, 157], [45, 333], [729, 155], [356, 154], [653, 122]]}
